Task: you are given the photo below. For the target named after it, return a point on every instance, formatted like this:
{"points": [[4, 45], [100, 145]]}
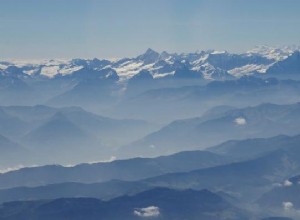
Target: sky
{"points": [[48, 29]]}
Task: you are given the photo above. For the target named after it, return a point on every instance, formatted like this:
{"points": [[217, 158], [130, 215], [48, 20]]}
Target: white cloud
{"points": [[287, 205], [17, 167], [277, 184], [240, 121], [287, 183], [151, 211], [152, 146], [109, 160]]}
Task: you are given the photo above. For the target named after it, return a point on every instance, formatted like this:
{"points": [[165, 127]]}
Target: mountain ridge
{"points": [[208, 64]]}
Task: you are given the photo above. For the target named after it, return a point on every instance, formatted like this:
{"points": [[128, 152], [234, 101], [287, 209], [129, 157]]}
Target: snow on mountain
{"points": [[50, 71], [129, 69], [2, 66], [288, 66], [162, 75], [276, 54], [248, 69], [210, 65], [69, 69]]}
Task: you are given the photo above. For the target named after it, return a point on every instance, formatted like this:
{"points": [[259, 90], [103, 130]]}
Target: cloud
{"points": [[240, 121], [109, 160], [152, 146], [277, 184], [151, 211], [287, 183], [17, 167], [287, 205]]}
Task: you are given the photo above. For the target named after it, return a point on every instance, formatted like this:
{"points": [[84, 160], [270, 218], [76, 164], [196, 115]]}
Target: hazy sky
{"points": [[117, 28]]}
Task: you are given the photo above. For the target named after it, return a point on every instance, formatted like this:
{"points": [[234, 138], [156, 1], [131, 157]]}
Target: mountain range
{"points": [[48, 134], [156, 203], [79, 80], [204, 135], [213, 128], [211, 64], [242, 180], [271, 162]]}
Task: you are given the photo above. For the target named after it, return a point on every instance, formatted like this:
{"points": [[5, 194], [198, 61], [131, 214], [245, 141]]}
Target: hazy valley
{"points": [[204, 135]]}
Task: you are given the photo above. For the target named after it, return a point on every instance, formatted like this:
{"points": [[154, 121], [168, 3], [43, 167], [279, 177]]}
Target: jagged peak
{"points": [[150, 51]]}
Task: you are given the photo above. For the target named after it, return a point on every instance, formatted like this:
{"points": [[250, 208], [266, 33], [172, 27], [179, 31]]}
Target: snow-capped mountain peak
{"points": [[275, 53], [210, 64]]}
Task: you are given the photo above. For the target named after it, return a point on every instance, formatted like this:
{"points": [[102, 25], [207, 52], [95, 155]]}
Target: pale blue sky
{"points": [[34, 29]]}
